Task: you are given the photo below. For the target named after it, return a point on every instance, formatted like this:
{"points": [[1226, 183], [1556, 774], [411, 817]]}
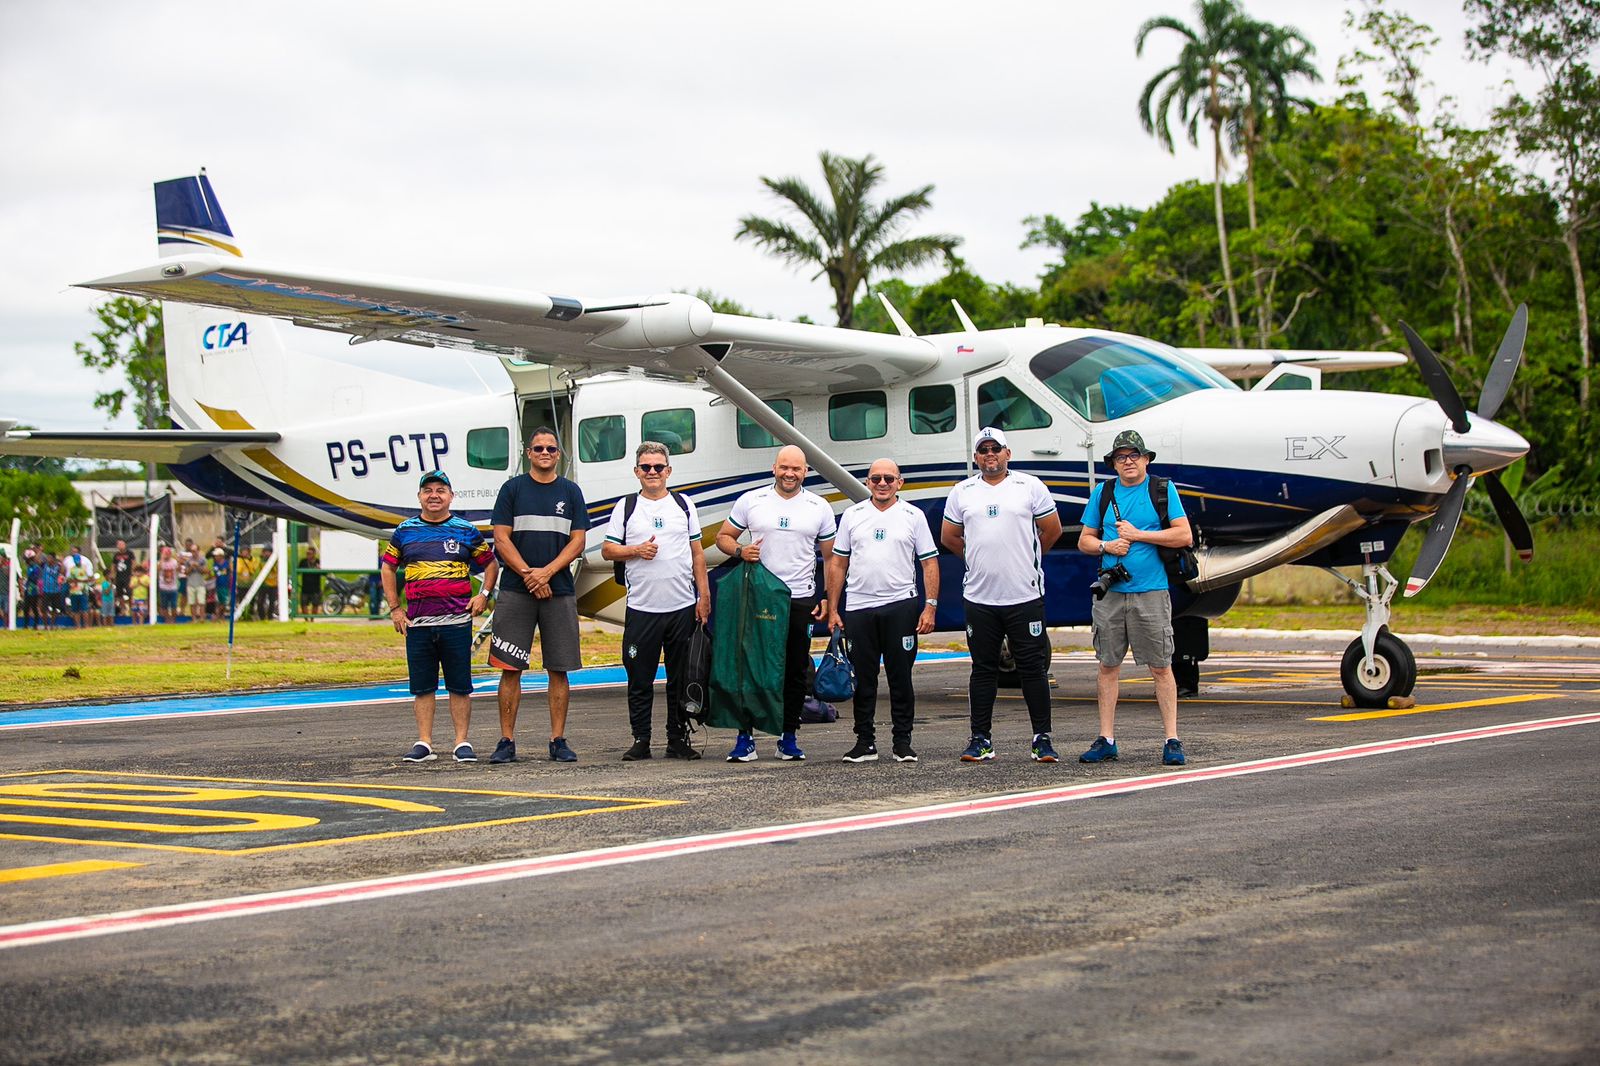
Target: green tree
{"points": [[1204, 82], [131, 340], [847, 237], [1562, 120], [47, 504]]}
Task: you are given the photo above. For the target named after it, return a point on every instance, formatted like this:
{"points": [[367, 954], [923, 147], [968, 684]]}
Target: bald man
{"points": [[872, 596], [787, 527]]}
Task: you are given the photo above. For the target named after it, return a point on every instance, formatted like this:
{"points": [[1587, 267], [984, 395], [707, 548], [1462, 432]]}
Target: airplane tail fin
{"points": [[188, 216]]}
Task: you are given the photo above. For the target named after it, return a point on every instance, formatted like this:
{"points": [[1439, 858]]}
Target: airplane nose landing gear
{"points": [[1377, 665]]}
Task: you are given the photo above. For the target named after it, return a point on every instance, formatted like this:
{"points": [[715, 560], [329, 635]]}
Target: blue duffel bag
{"points": [[836, 678]]}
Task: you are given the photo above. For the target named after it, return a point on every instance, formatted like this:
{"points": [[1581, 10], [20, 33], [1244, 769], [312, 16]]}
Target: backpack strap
{"points": [[683, 505], [1158, 499], [627, 514]]}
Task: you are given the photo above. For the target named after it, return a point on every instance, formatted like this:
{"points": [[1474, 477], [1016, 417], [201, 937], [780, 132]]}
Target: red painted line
{"points": [[404, 884]]}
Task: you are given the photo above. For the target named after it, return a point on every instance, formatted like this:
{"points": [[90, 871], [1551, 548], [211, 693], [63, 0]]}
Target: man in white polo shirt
{"points": [[881, 542], [788, 525], [659, 546], [1002, 522]]}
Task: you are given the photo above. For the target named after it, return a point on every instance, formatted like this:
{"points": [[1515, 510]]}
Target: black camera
{"points": [[1108, 577]]}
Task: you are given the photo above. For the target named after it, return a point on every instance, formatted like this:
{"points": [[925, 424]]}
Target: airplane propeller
{"points": [[1489, 443]]}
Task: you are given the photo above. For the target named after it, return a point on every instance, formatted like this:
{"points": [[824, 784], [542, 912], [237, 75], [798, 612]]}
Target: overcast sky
{"points": [[598, 150]]}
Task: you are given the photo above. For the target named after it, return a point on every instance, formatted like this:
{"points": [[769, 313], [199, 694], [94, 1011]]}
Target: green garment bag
{"points": [[747, 642]]}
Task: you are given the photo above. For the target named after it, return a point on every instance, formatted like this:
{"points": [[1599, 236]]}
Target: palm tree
{"points": [[850, 238], [1205, 83], [1270, 57]]}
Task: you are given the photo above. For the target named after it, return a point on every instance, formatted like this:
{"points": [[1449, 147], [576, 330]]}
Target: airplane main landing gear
{"points": [[1377, 665]]}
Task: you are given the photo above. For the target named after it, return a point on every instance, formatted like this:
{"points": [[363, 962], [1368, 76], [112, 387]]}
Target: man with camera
{"points": [[1132, 608]]}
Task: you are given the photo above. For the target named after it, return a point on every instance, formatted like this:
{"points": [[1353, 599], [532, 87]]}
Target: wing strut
{"points": [[759, 412]]}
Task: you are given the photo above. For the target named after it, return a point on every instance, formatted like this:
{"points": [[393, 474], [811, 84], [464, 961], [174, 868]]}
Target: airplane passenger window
{"points": [[602, 439], [489, 448], [933, 409], [753, 436], [1104, 378], [674, 428], [1004, 406], [858, 415]]}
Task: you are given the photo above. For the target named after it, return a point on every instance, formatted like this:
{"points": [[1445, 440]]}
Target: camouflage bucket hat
{"points": [[1128, 438]]}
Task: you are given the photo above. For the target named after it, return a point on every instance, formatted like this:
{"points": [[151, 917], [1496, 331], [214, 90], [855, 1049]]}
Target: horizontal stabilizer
{"points": [[138, 446]]}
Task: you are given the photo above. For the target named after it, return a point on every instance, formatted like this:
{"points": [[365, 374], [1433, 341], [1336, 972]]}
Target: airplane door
{"points": [[553, 409], [1044, 439]]}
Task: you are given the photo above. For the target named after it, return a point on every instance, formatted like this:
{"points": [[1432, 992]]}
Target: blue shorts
{"points": [[428, 648], [168, 599]]}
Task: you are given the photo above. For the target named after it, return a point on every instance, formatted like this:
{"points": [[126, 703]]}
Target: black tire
{"points": [[1395, 671], [333, 603]]}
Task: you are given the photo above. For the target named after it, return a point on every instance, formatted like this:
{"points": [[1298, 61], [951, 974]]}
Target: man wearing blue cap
{"points": [[439, 552]]}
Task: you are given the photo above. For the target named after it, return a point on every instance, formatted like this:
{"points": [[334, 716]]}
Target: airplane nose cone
{"points": [[1486, 446]]}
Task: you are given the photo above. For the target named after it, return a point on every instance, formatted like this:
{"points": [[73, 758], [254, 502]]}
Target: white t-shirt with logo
{"points": [[1004, 561], [884, 548], [665, 583], [789, 531]]}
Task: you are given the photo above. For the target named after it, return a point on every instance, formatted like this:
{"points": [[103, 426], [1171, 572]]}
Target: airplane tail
{"points": [[188, 217]]}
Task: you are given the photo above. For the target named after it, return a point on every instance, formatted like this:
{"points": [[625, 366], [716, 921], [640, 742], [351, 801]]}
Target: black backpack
{"points": [[1180, 563], [618, 572]]}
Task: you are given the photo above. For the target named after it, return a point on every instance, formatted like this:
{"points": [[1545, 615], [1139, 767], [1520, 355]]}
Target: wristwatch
{"points": [[933, 602]]}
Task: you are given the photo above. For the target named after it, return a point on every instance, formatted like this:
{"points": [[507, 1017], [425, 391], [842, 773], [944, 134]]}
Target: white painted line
{"points": [[515, 869]]}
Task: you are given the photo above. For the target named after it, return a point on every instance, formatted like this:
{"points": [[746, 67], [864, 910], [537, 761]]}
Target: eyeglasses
{"points": [[883, 479], [993, 450], [652, 468], [544, 449], [1126, 457]]}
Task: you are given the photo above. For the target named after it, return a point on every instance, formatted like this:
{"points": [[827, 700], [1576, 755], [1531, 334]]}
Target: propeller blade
{"points": [[1516, 526], [1438, 382], [1498, 381], [1440, 532]]}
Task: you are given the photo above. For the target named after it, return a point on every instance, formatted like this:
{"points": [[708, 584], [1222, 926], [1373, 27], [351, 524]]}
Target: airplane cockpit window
{"points": [[1002, 405], [601, 439], [1105, 378], [489, 448]]}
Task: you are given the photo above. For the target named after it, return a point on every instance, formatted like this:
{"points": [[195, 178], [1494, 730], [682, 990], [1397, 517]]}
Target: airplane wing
{"points": [[670, 335], [1255, 362], [141, 446]]}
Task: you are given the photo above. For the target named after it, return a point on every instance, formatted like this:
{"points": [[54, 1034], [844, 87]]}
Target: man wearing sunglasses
{"points": [[668, 595], [788, 526], [872, 595], [1134, 613], [1002, 522], [540, 524]]}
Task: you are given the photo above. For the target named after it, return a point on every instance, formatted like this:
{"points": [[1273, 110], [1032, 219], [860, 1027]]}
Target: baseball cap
{"points": [[436, 475], [989, 433], [1128, 438]]}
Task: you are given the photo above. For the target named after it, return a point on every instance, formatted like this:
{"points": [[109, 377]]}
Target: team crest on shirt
{"points": [[1035, 628], [879, 534], [908, 643], [783, 522], [994, 510], [452, 547], [658, 523], [561, 507]]}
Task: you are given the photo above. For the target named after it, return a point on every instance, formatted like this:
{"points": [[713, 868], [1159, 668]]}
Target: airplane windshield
{"points": [[1104, 378]]}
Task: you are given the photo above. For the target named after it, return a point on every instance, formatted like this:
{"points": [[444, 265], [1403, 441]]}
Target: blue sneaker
{"points": [[979, 750], [788, 749], [1172, 753], [1102, 750], [505, 751], [744, 749], [559, 752], [464, 753], [419, 752], [1042, 751]]}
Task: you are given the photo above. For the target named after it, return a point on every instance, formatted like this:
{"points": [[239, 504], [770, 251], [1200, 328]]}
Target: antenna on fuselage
{"points": [[966, 320], [894, 316]]}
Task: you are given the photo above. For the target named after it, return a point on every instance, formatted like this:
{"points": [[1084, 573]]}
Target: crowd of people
{"points": [[858, 573]]}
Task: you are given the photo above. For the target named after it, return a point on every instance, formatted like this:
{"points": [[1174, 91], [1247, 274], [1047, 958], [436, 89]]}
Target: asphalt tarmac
{"points": [[1353, 894]]}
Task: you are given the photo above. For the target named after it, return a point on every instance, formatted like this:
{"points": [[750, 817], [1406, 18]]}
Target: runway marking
{"points": [[57, 929], [1429, 708], [97, 812], [62, 869]]}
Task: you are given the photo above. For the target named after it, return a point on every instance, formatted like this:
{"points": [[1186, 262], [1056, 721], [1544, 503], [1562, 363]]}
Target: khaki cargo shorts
{"points": [[1138, 620]]}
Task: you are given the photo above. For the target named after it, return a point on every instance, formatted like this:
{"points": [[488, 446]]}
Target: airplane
{"points": [[321, 397]]}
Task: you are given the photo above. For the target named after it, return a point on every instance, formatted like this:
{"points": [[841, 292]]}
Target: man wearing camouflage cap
{"points": [[1134, 612]]}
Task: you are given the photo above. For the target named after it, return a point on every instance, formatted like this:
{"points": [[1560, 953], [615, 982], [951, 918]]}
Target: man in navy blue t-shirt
{"points": [[540, 524]]}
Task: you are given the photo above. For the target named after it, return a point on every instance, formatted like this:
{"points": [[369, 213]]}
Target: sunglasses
{"points": [[652, 468], [544, 449], [882, 479], [991, 450]]}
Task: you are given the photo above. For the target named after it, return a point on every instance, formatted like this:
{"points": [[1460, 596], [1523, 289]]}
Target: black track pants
{"points": [[986, 627], [883, 633], [644, 636]]}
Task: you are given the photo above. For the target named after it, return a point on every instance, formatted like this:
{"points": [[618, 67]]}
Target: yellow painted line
{"points": [[62, 869], [1493, 701]]}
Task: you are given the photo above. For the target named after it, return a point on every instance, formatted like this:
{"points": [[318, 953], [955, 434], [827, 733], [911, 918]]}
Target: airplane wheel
{"points": [[1394, 671]]}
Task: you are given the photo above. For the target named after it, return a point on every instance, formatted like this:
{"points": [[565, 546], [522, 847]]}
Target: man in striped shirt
{"points": [[439, 553]]}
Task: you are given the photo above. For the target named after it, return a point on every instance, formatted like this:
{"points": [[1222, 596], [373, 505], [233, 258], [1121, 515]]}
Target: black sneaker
{"points": [[505, 751], [680, 748], [903, 752], [862, 752], [559, 752], [640, 750]]}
